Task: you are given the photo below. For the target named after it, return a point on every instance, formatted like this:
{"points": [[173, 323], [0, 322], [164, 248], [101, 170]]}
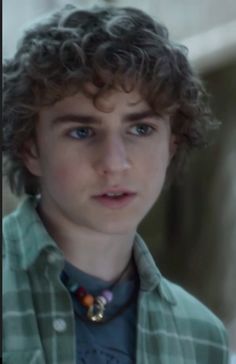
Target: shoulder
{"points": [[12, 254], [24, 235], [179, 320], [193, 318], [188, 306], [12, 236]]}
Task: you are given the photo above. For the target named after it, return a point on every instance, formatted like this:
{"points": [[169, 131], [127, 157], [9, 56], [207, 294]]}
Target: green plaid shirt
{"points": [[39, 327]]}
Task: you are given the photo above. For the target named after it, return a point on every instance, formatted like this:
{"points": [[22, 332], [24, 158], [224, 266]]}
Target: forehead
{"points": [[91, 100]]}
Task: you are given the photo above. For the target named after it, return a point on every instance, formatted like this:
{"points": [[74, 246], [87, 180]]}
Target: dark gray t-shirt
{"points": [[115, 341]]}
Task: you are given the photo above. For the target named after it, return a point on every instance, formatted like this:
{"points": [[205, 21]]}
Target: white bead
{"points": [[59, 325]]}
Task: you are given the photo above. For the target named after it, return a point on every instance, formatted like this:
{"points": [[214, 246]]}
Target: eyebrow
{"points": [[88, 119], [140, 115]]}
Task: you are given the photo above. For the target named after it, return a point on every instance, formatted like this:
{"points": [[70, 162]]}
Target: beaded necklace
{"points": [[96, 305]]}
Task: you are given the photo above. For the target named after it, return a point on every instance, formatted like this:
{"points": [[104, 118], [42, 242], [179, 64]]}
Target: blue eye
{"points": [[81, 133], [142, 129]]}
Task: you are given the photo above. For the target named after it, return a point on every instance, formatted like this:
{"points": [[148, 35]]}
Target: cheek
{"points": [[157, 161], [155, 170], [61, 175], [69, 176]]}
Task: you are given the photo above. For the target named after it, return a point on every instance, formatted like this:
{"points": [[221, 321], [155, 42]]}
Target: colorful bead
{"points": [[73, 287], [87, 300], [108, 295], [81, 292]]}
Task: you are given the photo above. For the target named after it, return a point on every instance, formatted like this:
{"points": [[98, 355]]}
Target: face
{"points": [[102, 168]]}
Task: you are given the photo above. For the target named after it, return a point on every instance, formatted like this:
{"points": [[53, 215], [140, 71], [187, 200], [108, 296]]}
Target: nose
{"points": [[112, 158]]}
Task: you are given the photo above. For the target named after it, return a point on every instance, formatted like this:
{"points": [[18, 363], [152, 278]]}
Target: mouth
{"points": [[115, 199]]}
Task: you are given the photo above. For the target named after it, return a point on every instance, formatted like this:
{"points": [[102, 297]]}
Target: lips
{"points": [[115, 198]]}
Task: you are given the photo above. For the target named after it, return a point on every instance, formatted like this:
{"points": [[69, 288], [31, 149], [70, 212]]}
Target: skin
{"points": [[76, 159]]}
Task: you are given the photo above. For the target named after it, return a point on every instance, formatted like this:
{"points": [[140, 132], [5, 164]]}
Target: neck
{"points": [[102, 255]]}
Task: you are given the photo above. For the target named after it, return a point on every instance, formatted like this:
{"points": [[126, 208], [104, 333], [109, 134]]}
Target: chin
{"points": [[117, 229]]}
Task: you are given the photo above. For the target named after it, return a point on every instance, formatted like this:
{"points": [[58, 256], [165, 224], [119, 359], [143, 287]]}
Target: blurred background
{"points": [[191, 231]]}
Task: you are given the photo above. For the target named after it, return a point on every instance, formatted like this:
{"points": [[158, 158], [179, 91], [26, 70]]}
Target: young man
{"points": [[99, 106]]}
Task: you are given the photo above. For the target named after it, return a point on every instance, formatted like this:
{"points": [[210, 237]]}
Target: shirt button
{"points": [[52, 257], [59, 325]]}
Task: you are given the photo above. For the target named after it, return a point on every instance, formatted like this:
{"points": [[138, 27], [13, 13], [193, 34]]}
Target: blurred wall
{"points": [[194, 242]]}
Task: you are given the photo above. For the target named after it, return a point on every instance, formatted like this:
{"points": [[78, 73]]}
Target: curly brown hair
{"points": [[107, 46]]}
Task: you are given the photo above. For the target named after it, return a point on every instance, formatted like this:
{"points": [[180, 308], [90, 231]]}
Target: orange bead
{"points": [[87, 300]]}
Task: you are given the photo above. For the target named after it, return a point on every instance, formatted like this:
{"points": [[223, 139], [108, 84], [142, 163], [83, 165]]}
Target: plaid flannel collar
{"points": [[25, 227]]}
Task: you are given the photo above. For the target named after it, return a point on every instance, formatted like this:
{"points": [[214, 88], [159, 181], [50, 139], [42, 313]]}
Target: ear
{"points": [[31, 158], [173, 145]]}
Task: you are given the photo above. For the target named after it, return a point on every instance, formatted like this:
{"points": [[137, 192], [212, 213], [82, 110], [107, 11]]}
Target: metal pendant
{"points": [[96, 312]]}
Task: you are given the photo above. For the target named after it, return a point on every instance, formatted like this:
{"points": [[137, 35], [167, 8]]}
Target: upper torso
{"points": [[39, 325]]}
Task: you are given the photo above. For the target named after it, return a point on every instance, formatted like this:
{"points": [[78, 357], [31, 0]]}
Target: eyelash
{"points": [[81, 128], [148, 130]]}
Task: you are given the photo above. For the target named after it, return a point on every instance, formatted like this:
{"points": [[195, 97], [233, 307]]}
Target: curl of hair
{"points": [[109, 47]]}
